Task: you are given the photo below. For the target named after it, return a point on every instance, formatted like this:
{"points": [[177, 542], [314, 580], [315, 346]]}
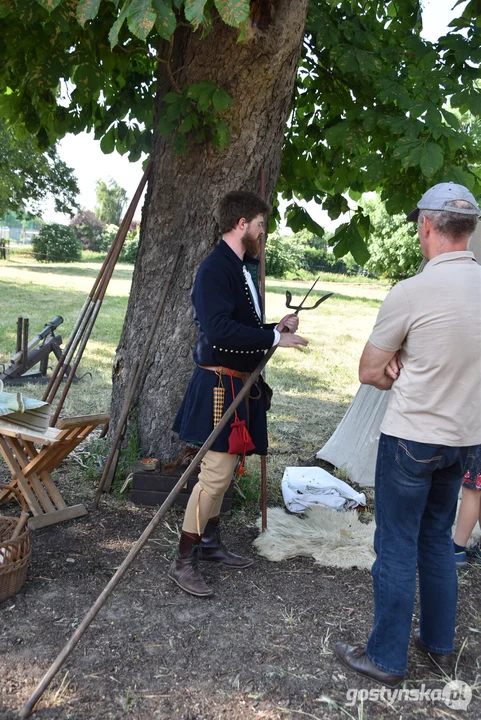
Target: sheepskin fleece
{"points": [[335, 539]]}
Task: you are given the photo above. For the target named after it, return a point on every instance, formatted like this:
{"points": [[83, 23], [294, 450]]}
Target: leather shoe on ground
{"points": [[220, 554], [354, 657], [442, 663], [184, 572]]}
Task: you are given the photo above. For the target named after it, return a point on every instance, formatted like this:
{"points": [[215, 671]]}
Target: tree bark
{"points": [[183, 191]]}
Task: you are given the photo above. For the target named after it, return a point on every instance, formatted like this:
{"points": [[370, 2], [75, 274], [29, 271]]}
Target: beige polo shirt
{"points": [[434, 319]]}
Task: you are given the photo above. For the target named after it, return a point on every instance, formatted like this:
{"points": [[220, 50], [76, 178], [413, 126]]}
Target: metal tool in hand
{"points": [[301, 306]]}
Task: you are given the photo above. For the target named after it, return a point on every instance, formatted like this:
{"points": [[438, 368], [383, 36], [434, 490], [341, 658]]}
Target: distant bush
{"points": [[130, 248], [291, 255], [56, 243], [89, 230], [108, 236], [283, 254], [325, 261], [393, 244]]}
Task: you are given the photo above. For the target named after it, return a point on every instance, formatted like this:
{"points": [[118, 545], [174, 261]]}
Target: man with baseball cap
{"points": [[426, 349]]}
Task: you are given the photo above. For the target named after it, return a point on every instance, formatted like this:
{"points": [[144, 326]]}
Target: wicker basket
{"points": [[14, 554]]}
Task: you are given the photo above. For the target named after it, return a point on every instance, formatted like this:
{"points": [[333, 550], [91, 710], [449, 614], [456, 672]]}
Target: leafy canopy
{"points": [[370, 110], [111, 201], [28, 177]]}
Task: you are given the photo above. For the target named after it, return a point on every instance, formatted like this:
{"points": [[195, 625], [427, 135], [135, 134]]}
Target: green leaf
{"points": [[432, 159], [340, 241], [141, 18], [165, 126], [221, 100], [49, 4], [87, 10], [462, 177], [189, 122], [88, 79], [171, 97], [233, 12], [166, 21], [359, 250], [203, 93], [299, 219], [222, 135], [194, 11], [5, 11], [117, 26], [451, 119], [107, 144]]}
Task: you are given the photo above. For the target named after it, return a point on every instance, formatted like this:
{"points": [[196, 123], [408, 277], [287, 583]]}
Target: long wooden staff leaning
{"points": [[86, 320], [263, 297], [114, 581], [138, 368]]}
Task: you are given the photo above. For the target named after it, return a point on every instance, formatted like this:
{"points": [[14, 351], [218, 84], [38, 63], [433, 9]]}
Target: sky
{"points": [[82, 153]]}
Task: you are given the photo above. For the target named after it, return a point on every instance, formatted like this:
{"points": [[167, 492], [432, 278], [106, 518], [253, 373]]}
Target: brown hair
{"points": [[236, 205]]}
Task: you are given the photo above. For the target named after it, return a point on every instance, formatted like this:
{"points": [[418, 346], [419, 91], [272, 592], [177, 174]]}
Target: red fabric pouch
{"points": [[240, 441]]}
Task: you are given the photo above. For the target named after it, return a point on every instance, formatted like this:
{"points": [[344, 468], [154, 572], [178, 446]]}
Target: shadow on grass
{"points": [[121, 273], [316, 294]]}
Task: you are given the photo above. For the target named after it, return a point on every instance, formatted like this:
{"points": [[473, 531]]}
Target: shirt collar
{"points": [[448, 257]]}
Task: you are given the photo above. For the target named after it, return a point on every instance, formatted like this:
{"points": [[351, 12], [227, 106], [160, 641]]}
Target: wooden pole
{"points": [[129, 397], [135, 550], [263, 297], [97, 292]]}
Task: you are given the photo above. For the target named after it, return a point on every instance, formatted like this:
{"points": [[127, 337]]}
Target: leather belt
{"points": [[226, 371]]}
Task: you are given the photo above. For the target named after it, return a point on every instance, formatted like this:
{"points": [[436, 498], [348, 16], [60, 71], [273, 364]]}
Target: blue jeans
{"points": [[416, 492]]}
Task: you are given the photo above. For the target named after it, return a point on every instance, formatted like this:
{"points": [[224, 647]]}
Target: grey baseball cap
{"points": [[438, 197]]}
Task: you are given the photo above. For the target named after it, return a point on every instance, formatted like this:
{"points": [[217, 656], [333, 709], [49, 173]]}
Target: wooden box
{"points": [[152, 487]]}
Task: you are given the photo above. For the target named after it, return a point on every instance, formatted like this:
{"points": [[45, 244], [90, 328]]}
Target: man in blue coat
{"points": [[231, 342]]}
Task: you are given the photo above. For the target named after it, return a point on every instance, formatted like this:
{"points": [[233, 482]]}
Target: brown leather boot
{"points": [[213, 550], [184, 571]]}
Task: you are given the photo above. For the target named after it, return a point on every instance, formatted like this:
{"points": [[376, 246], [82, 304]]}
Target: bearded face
{"points": [[251, 243], [251, 239]]}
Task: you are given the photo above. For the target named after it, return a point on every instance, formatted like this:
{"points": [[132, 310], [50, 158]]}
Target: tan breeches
{"points": [[216, 470]]}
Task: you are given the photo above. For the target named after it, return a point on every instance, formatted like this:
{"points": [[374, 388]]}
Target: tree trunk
{"points": [[259, 75]]}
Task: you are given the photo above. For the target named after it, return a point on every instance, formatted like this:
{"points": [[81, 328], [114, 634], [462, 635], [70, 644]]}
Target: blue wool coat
{"points": [[231, 335]]}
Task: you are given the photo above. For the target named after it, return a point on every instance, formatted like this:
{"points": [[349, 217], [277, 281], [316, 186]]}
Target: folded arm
{"points": [[375, 367]]}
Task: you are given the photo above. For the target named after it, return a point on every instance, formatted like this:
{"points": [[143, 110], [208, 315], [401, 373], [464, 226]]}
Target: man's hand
{"points": [[394, 366], [288, 339], [291, 322]]}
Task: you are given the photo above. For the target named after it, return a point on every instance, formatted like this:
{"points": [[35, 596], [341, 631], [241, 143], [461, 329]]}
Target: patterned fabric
{"points": [[472, 476], [231, 334], [219, 398]]}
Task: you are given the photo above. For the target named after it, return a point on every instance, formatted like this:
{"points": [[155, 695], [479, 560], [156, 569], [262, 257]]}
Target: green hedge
{"points": [[56, 243]]}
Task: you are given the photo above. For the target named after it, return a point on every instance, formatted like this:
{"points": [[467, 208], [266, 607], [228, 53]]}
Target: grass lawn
{"points": [[312, 389]]}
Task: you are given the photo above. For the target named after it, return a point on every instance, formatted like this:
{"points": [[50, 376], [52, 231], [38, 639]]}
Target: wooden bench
{"points": [[31, 466]]}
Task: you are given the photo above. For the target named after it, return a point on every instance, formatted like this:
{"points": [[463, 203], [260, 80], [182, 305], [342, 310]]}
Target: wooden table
{"points": [[31, 456]]}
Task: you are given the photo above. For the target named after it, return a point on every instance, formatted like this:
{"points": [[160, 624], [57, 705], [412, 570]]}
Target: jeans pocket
{"points": [[417, 458]]}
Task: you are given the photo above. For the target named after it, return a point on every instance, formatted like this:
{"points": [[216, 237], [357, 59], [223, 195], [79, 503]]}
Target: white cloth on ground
{"points": [[303, 487]]}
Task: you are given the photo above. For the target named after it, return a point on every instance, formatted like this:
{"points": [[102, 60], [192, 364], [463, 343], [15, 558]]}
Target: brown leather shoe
{"points": [[442, 663], [184, 571], [354, 657], [213, 550]]}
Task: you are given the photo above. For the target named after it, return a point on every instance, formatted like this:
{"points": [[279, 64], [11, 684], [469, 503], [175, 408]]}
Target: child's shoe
{"points": [[474, 553]]}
